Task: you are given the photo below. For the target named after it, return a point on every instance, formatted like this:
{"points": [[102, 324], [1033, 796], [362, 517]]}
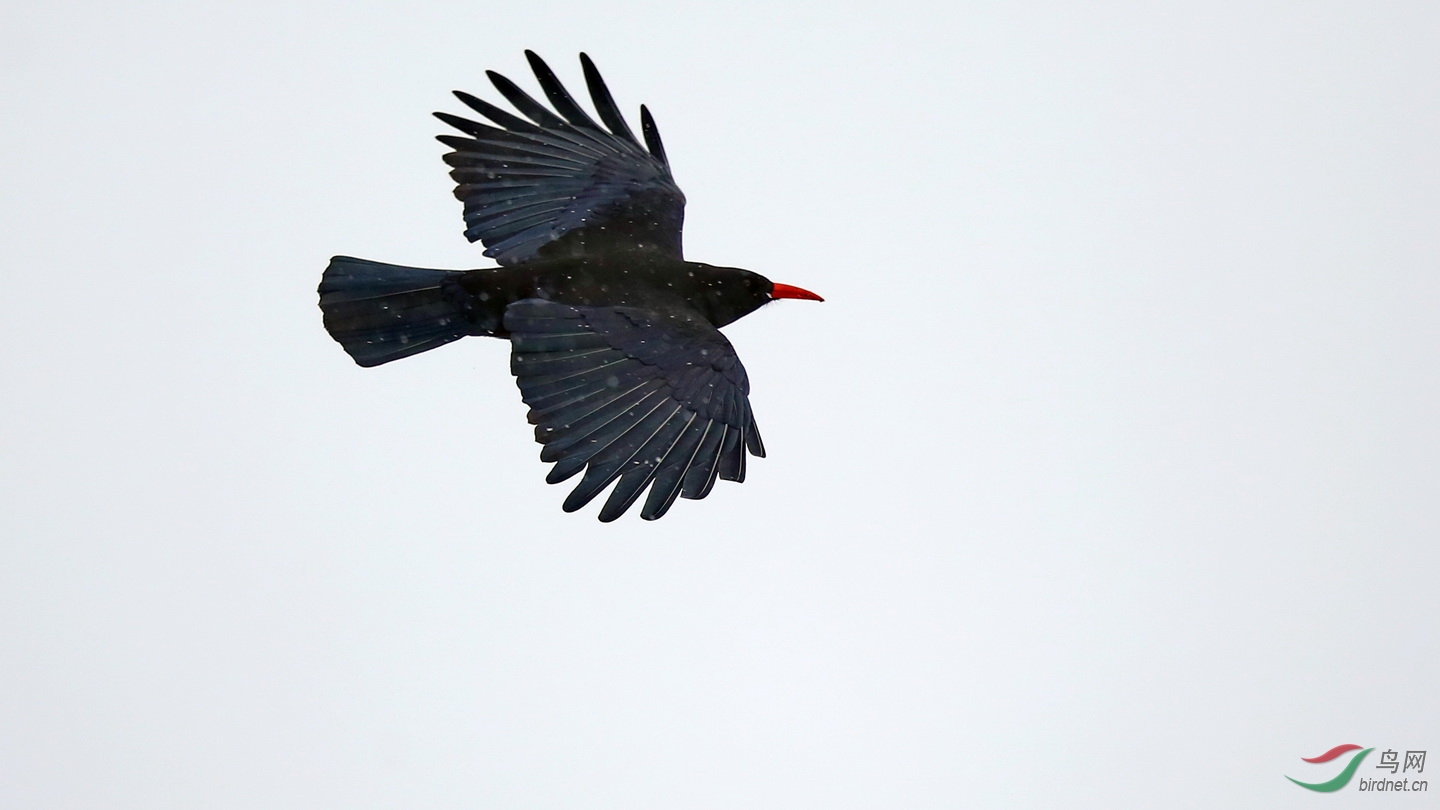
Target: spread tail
{"points": [[382, 312]]}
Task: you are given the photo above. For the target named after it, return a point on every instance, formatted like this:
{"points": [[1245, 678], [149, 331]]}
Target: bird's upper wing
{"points": [[656, 400], [562, 184]]}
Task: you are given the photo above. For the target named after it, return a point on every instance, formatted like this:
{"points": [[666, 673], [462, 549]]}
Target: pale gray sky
{"points": [[1105, 477]]}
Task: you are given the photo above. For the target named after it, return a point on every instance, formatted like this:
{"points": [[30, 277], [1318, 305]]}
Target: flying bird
{"points": [[614, 337]]}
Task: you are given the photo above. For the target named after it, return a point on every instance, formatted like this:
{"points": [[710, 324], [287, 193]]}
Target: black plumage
{"points": [[615, 340]]}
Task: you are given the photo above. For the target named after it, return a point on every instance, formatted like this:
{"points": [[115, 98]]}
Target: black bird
{"points": [[614, 337]]}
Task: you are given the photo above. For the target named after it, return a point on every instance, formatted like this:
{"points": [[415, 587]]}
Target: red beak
{"points": [[786, 291]]}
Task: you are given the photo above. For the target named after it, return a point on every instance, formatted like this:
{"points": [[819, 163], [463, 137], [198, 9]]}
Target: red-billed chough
{"points": [[614, 337]]}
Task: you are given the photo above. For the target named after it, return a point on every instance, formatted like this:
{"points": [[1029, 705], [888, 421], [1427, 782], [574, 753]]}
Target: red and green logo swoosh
{"points": [[1343, 778]]}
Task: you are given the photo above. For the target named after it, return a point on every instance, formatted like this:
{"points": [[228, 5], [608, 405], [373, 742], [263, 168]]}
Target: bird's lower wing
{"points": [[648, 399]]}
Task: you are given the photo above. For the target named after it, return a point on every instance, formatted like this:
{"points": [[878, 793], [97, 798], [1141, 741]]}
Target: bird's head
{"points": [[727, 294]]}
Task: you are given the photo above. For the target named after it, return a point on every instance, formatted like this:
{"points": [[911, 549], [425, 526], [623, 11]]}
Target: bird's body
{"points": [[721, 295], [615, 341]]}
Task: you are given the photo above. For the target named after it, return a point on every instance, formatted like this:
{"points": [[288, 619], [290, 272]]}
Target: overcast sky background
{"points": [[1106, 476]]}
